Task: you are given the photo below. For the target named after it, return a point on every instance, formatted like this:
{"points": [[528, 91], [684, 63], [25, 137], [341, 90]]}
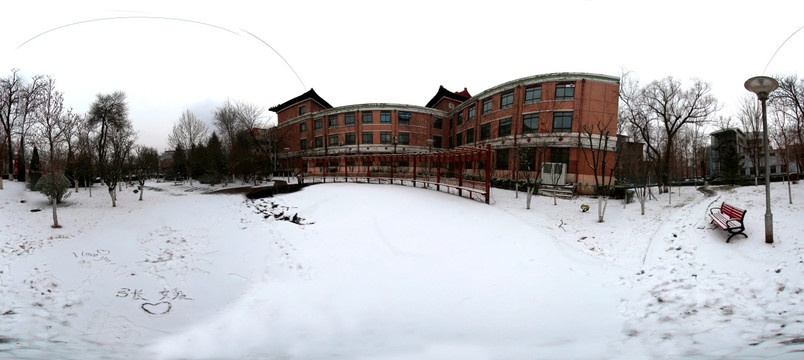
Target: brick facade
{"points": [[547, 115]]}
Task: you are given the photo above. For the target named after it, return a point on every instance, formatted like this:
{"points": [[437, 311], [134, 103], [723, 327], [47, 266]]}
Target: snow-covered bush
{"points": [[53, 184]]}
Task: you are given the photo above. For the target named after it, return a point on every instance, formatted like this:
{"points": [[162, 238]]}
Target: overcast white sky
{"points": [[379, 51]]}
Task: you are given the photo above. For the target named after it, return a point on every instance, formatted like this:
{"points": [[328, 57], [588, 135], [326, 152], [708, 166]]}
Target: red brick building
{"points": [[528, 122]]}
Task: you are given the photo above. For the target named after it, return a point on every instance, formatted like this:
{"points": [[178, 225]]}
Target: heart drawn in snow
{"points": [[159, 308]]}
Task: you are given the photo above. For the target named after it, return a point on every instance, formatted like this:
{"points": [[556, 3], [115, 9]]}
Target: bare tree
{"points": [[10, 89], [789, 100], [663, 108], [599, 148], [114, 137], [750, 116], [29, 99], [227, 120], [54, 124], [782, 133], [146, 163], [187, 132]]}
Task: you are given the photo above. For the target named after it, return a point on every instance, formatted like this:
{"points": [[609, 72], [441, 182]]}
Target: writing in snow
{"points": [[166, 294]]}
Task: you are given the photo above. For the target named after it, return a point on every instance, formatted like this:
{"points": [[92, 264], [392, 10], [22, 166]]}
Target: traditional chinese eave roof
{"points": [[308, 95], [444, 93]]}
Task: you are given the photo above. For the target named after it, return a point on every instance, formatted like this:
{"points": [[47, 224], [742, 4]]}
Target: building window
{"points": [[437, 142], [303, 144], [349, 119], [349, 138], [302, 127], [460, 118], [368, 117], [333, 140], [319, 141], [458, 139], [385, 137], [562, 121], [368, 137], [385, 117], [504, 128], [333, 120], [404, 118], [502, 159], [302, 110], [565, 91], [533, 94], [437, 123], [404, 138], [319, 124], [487, 106], [559, 155], [507, 99], [530, 123], [470, 136], [485, 131], [471, 114]]}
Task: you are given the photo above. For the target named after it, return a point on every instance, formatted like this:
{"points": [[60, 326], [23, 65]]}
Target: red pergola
{"points": [[415, 169]]}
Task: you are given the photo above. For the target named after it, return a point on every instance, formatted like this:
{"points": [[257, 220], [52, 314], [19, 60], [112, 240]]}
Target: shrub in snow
{"points": [[53, 184]]}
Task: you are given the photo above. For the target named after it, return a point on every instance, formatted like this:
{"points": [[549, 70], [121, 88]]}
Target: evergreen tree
{"points": [[216, 160], [179, 162], [731, 164], [35, 169], [36, 165]]}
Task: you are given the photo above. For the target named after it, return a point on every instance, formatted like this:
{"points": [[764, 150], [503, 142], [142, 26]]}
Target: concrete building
{"points": [[528, 122]]}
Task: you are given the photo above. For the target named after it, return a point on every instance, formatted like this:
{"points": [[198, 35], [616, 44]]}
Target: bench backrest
{"points": [[731, 211]]}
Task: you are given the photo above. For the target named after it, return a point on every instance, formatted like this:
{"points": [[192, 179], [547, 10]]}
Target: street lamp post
{"points": [[763, 86]]}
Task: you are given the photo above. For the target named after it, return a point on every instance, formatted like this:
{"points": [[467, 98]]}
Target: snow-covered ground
{"points": [[392, 272]]}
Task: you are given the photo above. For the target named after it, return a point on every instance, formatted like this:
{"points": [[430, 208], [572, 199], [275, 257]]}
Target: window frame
{"points": [[349, 135], [302, 127], [488, 105], [368, 115], [529, 94], [531, 117], [504, 123], [563, 119], [330, 121], [383, 117], [507, 99], [470, 135], [318, 124], [319, 142], [485, 131], [438, 123], [403, 122], [403, 138], [471, 113], [564, 89], [383, 136], [302, 109], [346, 117], [333, 137], [367, 135]]}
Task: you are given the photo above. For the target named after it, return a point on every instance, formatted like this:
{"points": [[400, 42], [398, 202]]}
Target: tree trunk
{"points": [[112, 194], [601, 208], [142, 189], [530, 195], [55, 216], [516, 190], [789, 190]]}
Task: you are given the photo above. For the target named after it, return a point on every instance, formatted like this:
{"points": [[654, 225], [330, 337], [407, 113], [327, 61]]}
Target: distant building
{"points": [[166, 160], [745, 144], [544, 113]]}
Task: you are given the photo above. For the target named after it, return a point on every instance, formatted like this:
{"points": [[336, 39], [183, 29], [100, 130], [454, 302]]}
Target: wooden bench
{"points": [[729, 218]]}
